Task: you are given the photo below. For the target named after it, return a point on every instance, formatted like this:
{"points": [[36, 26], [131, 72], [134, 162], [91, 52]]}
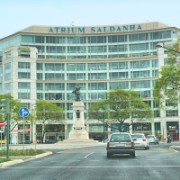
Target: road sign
{"points": [[24, 112], [2, 123]]}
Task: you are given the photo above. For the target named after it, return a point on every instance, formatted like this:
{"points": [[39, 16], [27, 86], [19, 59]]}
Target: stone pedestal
{"points": [[78, 131]]}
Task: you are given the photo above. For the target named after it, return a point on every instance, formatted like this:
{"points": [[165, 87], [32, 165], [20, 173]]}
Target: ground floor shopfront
{"points": [[59, 132]]}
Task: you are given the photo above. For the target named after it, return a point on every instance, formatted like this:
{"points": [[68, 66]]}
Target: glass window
{"points": [[39, 39], [39, 76], [139, 47], [138, 37], [54, 86], [140, 84], [139, 64], [96, 76], [23, 85], [97, 66], [155, 73], [76, 49], [54, 76], [40, 96], [118, 65], [54, 67], [154, 63], [74, 76], [23, 95], [97, 86], [24, 75], [97, 39], [7, 72], [97, 49], [171, 113], [118, 75], [39, 66], [24, 65], [56, 40], [39, 86], [71, 86], [76, 40], [55, 49], [76, 67], [28, 39], [117, 38], [117, 48], [161, 35], [7, 88], [140, 74], [121, 85]]}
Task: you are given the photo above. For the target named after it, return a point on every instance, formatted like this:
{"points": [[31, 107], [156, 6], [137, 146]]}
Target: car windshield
{"points": [[150, 136], [120, 138], [137, 136]]}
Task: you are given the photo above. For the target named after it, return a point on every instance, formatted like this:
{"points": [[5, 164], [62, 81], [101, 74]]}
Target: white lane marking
{"points": [[88, 155]]}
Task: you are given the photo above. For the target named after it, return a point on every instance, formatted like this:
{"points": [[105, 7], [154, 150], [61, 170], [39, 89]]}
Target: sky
{"points": [[16, 15]]}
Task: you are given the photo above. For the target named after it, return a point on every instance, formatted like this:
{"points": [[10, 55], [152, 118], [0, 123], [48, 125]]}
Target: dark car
{"points": [[120, 143]]}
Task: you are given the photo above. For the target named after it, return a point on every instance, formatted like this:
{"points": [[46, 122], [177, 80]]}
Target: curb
{"points": [[18, 161], [175, 148]]}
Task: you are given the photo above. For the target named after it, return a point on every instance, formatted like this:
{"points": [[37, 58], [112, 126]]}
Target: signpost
{"points": [[23, 112]]}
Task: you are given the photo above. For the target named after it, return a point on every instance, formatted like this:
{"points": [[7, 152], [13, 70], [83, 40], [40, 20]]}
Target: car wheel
{"points": [[133, 155], [108, 155]]}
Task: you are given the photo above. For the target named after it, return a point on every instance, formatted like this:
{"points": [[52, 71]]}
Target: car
{"points": [[120, 143], [140, 140], [152, 139]]}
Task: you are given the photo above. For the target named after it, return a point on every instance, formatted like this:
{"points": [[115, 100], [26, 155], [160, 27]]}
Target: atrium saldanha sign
{"points": [[102, 29]]}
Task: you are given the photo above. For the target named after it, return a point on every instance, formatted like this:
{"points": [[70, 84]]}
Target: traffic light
{"points": [[4, 106]]}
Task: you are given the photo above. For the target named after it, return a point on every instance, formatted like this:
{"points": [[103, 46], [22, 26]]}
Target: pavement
{"points": [[57, 146]]}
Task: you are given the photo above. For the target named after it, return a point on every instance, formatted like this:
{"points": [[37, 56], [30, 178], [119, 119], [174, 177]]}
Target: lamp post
{"points": [[169, 49]]}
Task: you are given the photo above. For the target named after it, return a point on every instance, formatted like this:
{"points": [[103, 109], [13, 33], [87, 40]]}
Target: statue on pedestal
{"points": [[77, 93]]}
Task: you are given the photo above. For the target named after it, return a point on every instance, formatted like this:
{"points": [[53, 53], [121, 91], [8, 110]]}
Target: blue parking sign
{"points": [[24, 112]]}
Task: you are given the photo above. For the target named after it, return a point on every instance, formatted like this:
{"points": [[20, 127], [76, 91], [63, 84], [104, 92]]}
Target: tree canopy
{"points": [[168, 84], [121, 106]]}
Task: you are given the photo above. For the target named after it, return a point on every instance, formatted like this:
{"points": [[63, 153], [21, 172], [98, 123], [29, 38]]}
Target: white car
{"points": [[152, 139], [140, 140]]}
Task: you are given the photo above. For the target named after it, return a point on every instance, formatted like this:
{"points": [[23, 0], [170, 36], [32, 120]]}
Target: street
{"points": [[90, 163]]}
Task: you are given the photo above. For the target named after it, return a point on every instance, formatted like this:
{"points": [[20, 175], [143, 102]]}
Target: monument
{"points": [[78, 131]]}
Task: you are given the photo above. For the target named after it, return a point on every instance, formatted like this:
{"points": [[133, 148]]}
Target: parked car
{"points": [[140, 140], [120, 143], [152, 139]]}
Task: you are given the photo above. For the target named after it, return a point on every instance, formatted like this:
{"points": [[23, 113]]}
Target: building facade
{"points": [[47, 63]]}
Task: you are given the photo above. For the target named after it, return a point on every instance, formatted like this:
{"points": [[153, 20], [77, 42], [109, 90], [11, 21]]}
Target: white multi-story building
{"points": [[49, 62]]}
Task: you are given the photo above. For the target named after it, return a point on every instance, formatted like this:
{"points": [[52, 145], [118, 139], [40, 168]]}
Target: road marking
{"points": [[88, 155]]}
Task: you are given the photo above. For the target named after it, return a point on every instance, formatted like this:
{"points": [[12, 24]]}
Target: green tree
{"points": [[15, 106], [121, 106], [46, 111], [168, 84]]}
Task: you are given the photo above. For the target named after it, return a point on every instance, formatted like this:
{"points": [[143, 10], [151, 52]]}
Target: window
{"points": [[140, 84], [118, 65], [24, 75], [24, 65], [139, 64], [121, 85], [97, 39]]}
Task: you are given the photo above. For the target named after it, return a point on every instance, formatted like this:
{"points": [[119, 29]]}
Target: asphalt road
{"points": [[90, 163]]}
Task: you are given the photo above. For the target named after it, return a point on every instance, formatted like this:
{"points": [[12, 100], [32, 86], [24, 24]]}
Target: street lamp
{"points": [[160, 46]]}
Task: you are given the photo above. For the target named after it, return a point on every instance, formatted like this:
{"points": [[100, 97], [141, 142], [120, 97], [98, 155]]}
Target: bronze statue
{"points": [[77, 93]]}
